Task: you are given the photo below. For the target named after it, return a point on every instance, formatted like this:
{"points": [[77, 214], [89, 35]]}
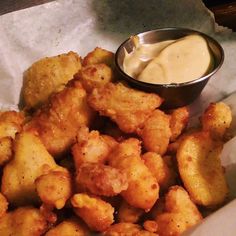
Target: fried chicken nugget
{"points": [[5, 150], [24, 221], [216, 119], [70, 227], [156, 132], [31, 160], [57, 123], [164, 175], [3, 205], [143, 189], [178, 122], [128, 107], [47, 76], [97, 213], [94, 76], [128, 213], [98, 56], [100, 179], [91, 147], [10, 123], [180, 213], [55, 187], [200, 169], [123, 229]]}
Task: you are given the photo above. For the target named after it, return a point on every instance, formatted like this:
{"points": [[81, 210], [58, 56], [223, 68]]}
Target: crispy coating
{"points": [[24, 221], [164, 175], [98, 56], [121, 229], [150, 225], [180, 213], [95, 76], [91, 147], [97, 213], [70, 227], [10, 123], [128, 107], [216, 119], [5, 150], [200, 169], [100, 179], [178, 122], [57, 122], [47, 76], [31, 160], [128, 213], [3, 205], [156, 132], [143, 190], [54, 188]]}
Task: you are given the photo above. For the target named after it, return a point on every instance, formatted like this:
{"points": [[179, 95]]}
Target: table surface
{"points": [[225, 13]]}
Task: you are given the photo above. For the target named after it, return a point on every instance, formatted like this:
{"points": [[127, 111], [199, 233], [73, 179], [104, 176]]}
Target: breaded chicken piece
{"points": [[3, 205], [128, 107], [55, 187], [100, 179], [91, 147], [128, 213], [216, 119], [70, 227], [47, 76], [94, 76], [11, 123], [143, 189], [200, 169], [156, 132], [24, 221], [57, 123], [6, 151], [98, 56], [127, 229], [179, 214], [178, 122], [96, 213], [164, 175]]}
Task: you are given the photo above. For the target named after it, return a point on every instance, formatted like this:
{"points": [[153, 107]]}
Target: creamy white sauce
{"points": [[172, 61]]}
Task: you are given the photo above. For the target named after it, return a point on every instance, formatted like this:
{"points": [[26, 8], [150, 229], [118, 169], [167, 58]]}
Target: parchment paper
{"points": [[81, 25]]}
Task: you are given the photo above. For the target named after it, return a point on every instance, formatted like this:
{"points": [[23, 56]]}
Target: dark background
{"points": [[224, 11]]}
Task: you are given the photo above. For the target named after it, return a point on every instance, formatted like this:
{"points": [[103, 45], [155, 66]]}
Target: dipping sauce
{"points": [[171, 61]]}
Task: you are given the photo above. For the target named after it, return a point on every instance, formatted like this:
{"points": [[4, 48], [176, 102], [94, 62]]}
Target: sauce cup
{"points": [[174, 94]]}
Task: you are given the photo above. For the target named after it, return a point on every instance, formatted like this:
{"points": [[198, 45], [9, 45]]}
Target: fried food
{"points": [[98, 56], [128, 107], [70, 227], [179, 214], [150, 225], [10, 123], [47, 76], [128, 213], [200, 169], [178, 122], [127, 229], [57, 123], [24, 221], [164, 175], [31, 160], [156, 132], [5, 150], [100, 179], [216, 119], [94, 76], [91, 147], [143, 189], [54, 188], [3, 205], [97, 213]]}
